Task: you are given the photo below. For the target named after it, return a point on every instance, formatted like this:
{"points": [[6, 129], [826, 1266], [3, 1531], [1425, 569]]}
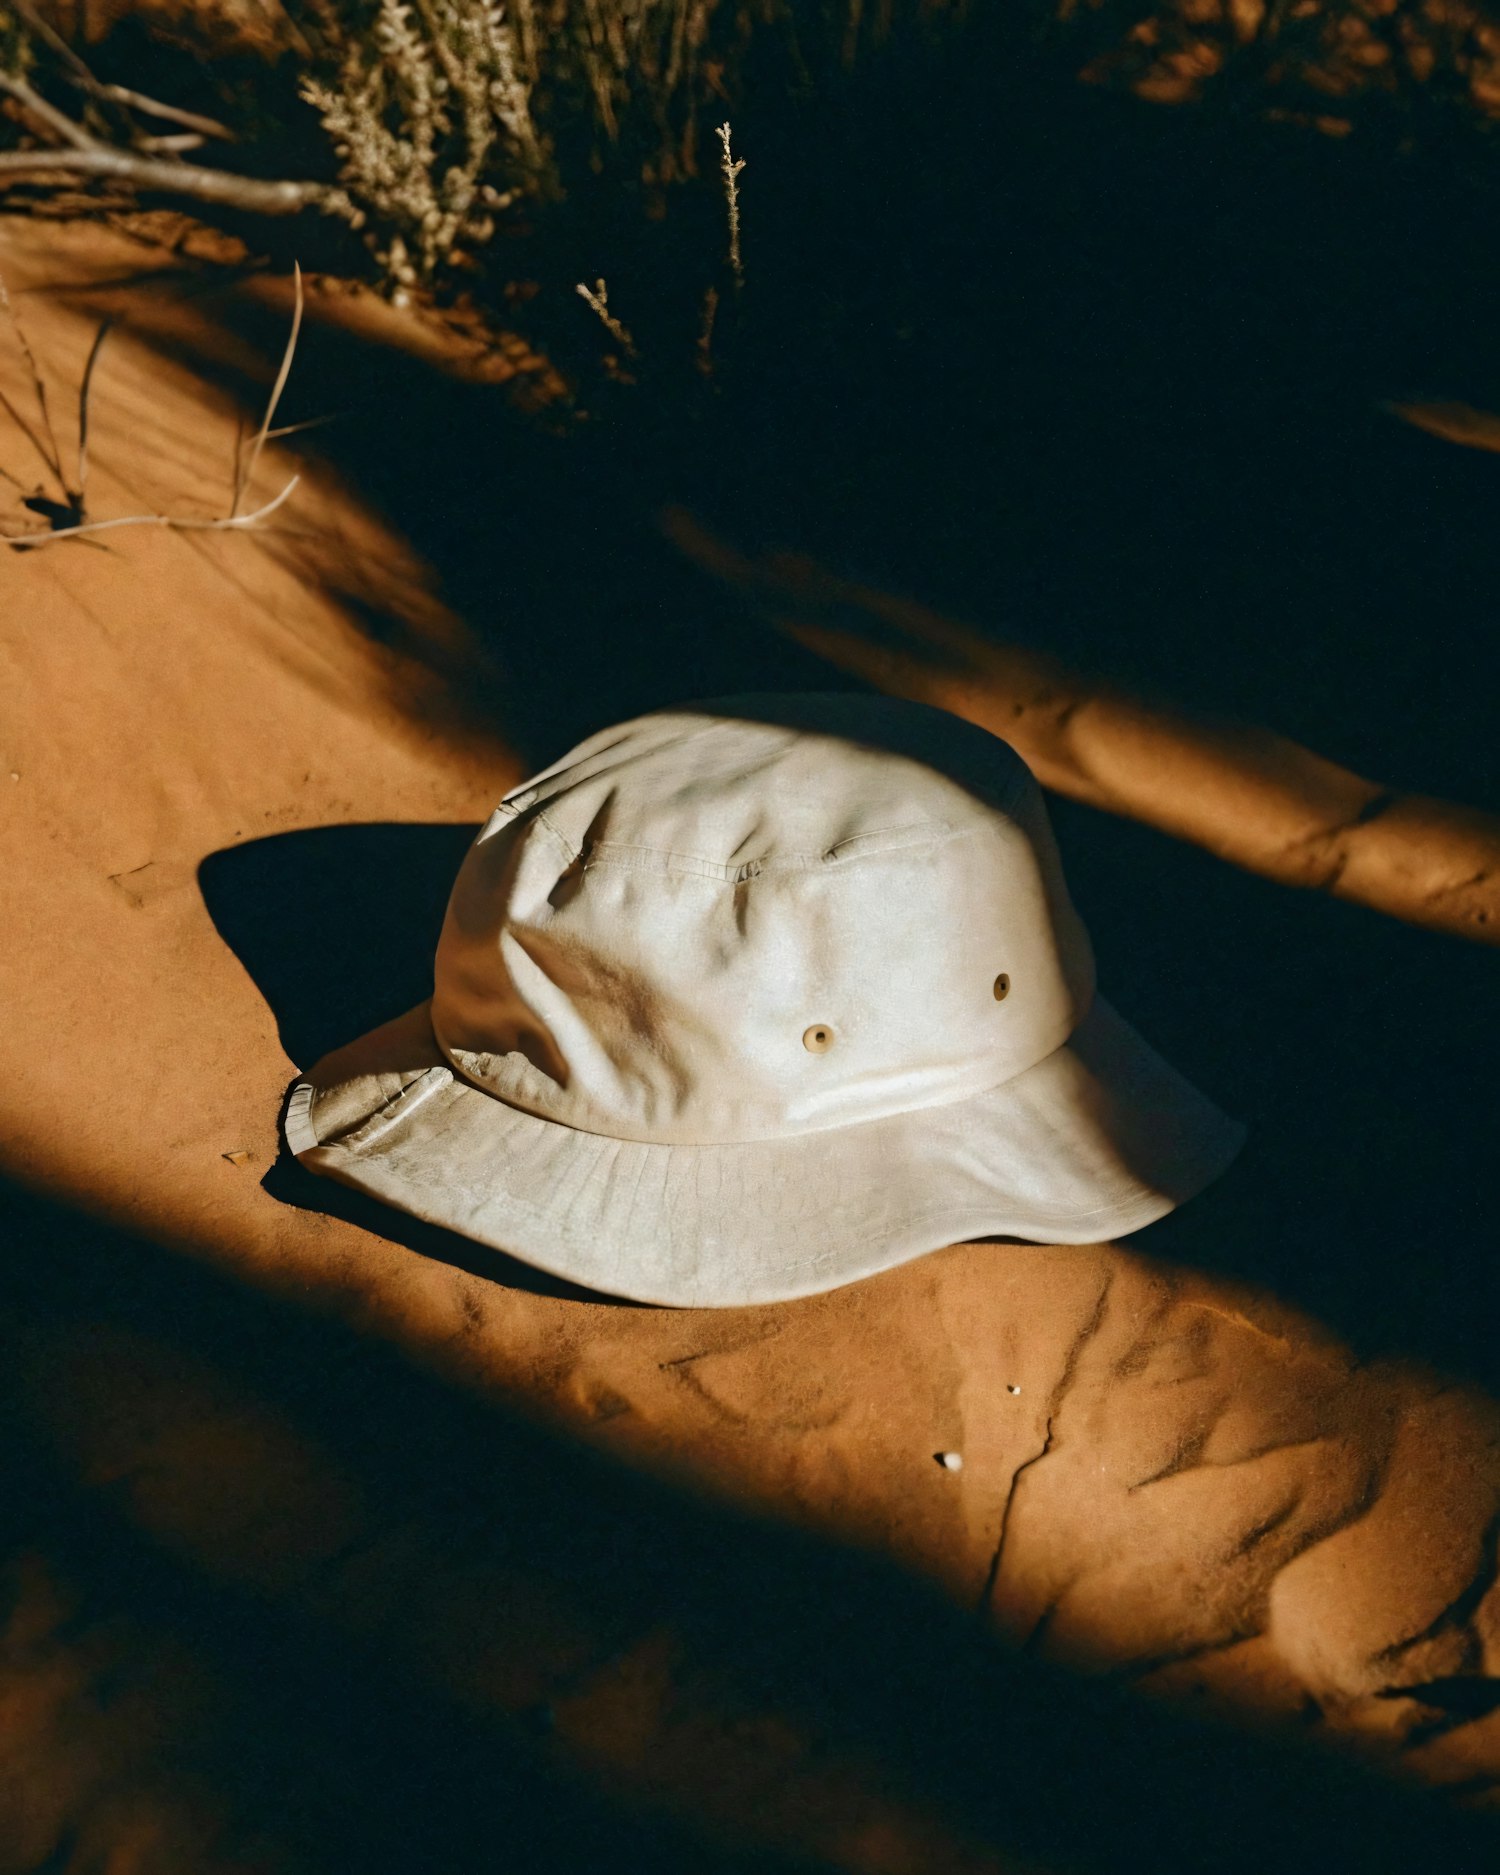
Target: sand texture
{"points": [[421, 1524]]}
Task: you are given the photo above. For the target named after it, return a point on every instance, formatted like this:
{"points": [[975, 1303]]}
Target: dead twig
{"points": [[72, 509], [82, 154], [153, 107], [730, 170], [160, 176], [243, 481], [49, 36], [179, 143], [174, 521], [597, 296], [307, 423], [35, 105], [78, 73]]}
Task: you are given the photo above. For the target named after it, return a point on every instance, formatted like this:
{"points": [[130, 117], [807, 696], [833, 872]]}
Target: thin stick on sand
{"points": [[243, 476], [243, 481], [176, 522]]}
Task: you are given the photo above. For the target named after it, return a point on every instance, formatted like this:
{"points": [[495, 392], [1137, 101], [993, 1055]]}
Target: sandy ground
{"points": [[407, 1516]]}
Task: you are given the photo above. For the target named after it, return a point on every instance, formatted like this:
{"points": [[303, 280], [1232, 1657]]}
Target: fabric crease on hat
{"points": [[715, 1019]]}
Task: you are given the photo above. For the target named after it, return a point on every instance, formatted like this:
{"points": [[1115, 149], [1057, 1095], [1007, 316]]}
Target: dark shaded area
{"points": [[1099, 376], [1459, 1698], [337, 925], [1358, 1050], [328, 1727]]}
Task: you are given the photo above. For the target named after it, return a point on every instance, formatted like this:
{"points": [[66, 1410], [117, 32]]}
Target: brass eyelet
{"points": [[818, 1039], [1002, 987]]}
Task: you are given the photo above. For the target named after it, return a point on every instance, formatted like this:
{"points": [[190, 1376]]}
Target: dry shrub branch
{"points": [[445, 120], [68, 518]]}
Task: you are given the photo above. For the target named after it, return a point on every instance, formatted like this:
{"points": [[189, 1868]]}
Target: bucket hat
{"points": [[747, 999]]}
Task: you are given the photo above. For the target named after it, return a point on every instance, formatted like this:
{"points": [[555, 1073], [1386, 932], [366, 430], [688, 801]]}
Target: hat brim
{"points": [[1092, 1143]]}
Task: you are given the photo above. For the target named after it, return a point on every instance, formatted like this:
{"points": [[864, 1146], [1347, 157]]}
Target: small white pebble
{"points": [[951, 1461], [15, 775], [1012, 1389]]}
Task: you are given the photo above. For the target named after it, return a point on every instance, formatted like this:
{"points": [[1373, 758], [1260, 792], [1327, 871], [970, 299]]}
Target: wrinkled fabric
{"points": [[640, 940], [1098, 1140], [742, 1002]]}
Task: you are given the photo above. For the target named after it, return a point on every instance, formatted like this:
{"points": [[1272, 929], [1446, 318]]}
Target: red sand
{"points": [[1191, 1483]]}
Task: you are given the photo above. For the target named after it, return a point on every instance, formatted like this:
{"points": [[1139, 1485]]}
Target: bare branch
{"points": [[152, 107], [730, 170], [43, 539], [597, 296], [78, 73], [58, 122], [163, 177], [277, 388], [51, 38], [178, 143]]}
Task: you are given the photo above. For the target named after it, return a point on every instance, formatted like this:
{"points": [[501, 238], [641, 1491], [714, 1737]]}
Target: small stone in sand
{"points": [[242, 1155], [1012, 1389], [950, 1461]]}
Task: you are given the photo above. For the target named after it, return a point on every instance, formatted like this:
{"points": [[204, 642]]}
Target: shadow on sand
{"points": [[1356, 1049], [400, 1603]]}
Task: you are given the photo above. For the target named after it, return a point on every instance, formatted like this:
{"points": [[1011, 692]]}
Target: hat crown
{"points": [[759, 917]]}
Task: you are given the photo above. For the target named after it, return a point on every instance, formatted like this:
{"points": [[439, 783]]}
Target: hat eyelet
{"points": [[818, 1039], [1002, 987]]}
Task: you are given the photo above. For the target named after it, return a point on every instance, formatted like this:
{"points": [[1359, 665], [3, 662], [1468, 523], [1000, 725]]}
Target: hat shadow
{"points": [[337, 927], [299, 909], [1353, 1047]]}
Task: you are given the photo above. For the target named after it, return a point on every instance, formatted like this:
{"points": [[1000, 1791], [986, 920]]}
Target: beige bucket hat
{"points": [[748, 999]]}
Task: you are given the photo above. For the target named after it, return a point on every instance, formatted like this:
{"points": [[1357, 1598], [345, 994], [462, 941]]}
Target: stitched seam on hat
{"points": [[621, 856], [1123, 1190], [552, 783], [1112, 1214], [893, 839], [561, 838]]}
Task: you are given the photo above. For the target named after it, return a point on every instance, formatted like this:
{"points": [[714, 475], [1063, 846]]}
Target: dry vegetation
{"points": [[439, 119], [428, 126]]}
